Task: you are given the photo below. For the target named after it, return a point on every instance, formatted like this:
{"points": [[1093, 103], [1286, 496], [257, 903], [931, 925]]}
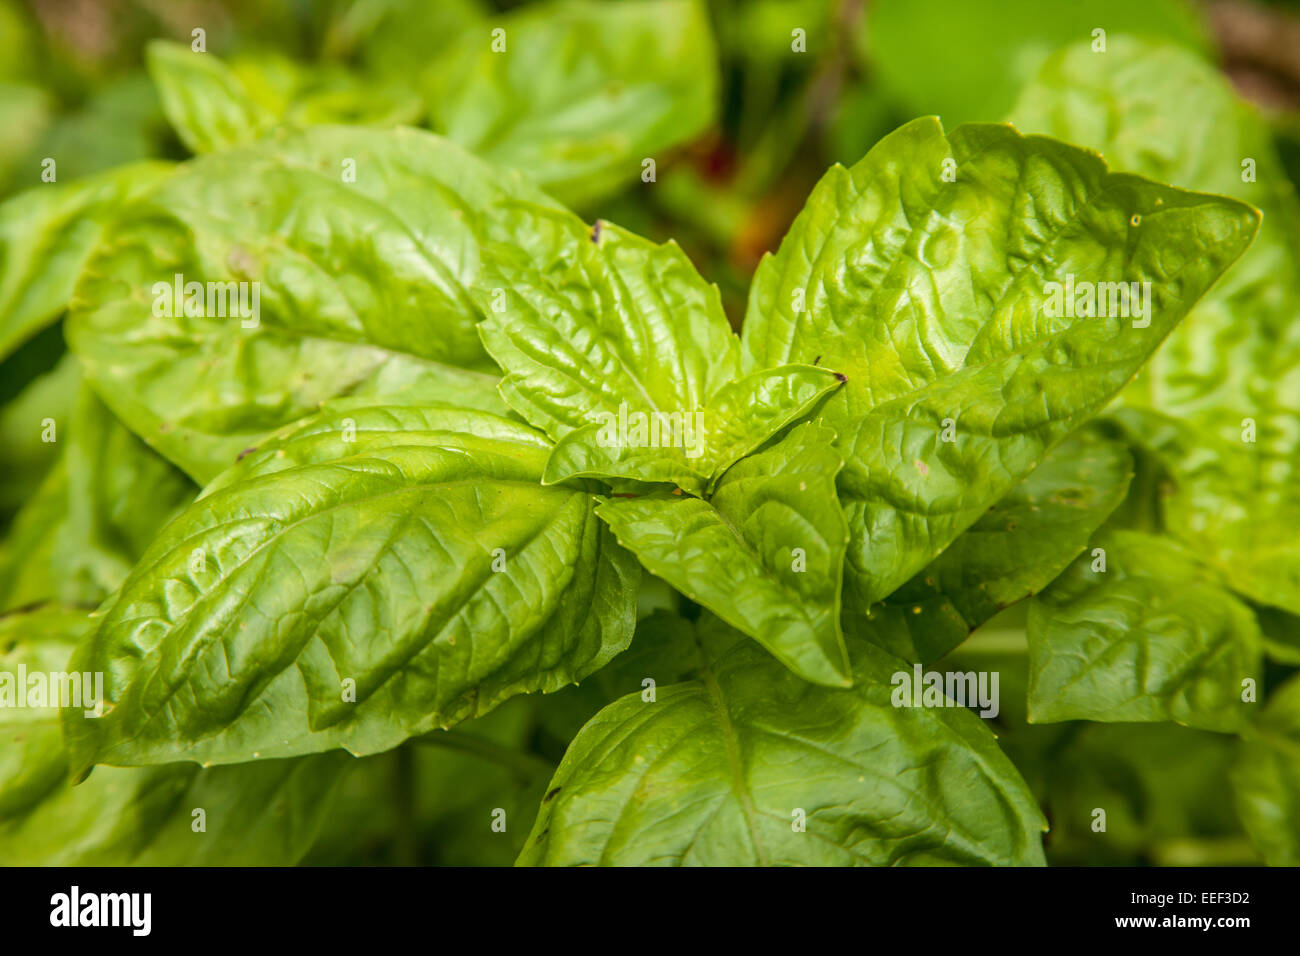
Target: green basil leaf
{"points": [[723, 770], [741, 416], [344, 430], [1266, 778], [601, 329], [582, 319], [361, 288], [391, 579], [748, 411], [935, 298], [204, 101], [1015, 550], [1154, 636], [620, 351], [1217, 404], [93, 515], [765, 553], [578, 93], [46, 235]]}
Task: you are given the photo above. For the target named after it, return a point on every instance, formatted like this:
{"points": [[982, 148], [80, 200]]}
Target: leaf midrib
{"points": [[731, 741]]}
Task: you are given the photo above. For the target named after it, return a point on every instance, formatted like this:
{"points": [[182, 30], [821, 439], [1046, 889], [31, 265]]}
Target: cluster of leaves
{"points": [[341, 566]]}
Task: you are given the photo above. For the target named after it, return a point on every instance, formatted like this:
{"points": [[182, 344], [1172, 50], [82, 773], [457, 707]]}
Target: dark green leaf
{"points": [[1154, 636], [1011, 553], [721, 771]]}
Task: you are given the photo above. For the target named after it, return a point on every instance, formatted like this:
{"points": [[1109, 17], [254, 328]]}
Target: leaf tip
{"points": [[78, 772]]}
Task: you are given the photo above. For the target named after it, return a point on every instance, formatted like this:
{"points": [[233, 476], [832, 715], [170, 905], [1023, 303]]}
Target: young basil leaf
{"points": [[765, 553], [350, 252], [1266, 777], [1015, 550], [748, 411], [1217, 404], [46, 235], [353, 590], [579, 93], [621, 352], [742, 415], [724, 770], [930, 274], [1140, 631], [94, 514], [600, 325], [204, 101]]}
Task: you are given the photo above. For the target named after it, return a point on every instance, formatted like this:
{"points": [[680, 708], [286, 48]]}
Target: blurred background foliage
{"points": [[73, 84], [767, 110]]}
